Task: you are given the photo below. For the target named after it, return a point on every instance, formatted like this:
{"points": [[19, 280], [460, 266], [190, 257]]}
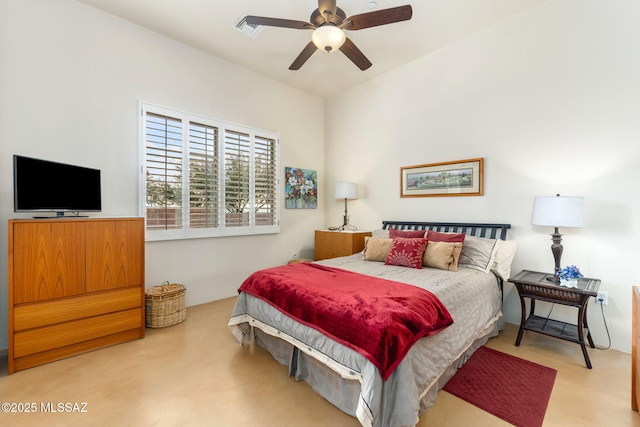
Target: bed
{"points": [[349, 378]]}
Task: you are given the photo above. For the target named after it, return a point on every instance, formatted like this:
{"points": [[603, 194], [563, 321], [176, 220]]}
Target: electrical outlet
{"points": [[602, 297], [294, 256]]}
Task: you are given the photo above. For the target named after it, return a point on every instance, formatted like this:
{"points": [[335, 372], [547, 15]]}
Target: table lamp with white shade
{"points": [[558, 211], [346, 190]]}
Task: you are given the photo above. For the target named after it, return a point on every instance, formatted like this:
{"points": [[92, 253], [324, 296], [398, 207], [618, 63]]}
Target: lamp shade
{"points": [[328, 38], [346, 190], [558, 211]]}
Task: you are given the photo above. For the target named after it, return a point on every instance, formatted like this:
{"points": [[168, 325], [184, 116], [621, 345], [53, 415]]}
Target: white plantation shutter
{"points": [[265, 183], [163, 148], [207, 178], [237, 169], [204, 203]]}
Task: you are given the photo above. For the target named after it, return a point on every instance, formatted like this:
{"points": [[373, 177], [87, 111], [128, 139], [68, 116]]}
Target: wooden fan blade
{"points": [[379, 17], [304, 55], [355, 55], [277, 22], [327, 8]]}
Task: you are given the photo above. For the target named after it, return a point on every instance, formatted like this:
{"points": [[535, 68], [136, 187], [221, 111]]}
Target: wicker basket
{"points": [[164, 305]]}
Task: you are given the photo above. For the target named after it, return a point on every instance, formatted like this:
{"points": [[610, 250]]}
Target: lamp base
{"points": [[556, 249], [345, 225], [345, 220], [553, 279]]}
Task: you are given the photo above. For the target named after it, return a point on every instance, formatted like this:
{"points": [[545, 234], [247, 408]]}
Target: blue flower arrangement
{"points": [[570, 272]]}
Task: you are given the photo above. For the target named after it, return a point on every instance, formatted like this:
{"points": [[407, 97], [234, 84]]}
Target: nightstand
{"points": [[535, 286], [332, 244]]}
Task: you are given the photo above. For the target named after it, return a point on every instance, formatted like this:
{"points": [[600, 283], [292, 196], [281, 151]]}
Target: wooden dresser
{"points": [[332, 244], [75, 285]]}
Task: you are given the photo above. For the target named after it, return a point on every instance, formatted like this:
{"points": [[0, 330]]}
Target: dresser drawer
{"points": [[64, 334], [28, 316]]}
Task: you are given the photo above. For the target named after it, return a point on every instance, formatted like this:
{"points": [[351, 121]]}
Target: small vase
{"points": [[299, 203]]}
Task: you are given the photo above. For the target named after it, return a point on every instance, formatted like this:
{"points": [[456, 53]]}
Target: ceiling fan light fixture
{"points": [[328, 38]]}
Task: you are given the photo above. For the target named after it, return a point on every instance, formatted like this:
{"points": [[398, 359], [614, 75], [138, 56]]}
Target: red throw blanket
{"points": [[378, 318]]}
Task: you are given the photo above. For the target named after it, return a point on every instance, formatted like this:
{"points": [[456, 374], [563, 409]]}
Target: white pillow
{"points": [[503, 259]]}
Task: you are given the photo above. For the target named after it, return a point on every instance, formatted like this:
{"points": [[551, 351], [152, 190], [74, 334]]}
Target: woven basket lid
{"points": [[165, 291]]}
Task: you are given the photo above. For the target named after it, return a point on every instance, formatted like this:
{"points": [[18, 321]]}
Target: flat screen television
{"points": [[46, 186]]}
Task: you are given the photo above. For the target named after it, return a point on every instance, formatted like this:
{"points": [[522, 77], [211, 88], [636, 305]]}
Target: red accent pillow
{"points": [[406, 252], [445, 237], [393, 233]]}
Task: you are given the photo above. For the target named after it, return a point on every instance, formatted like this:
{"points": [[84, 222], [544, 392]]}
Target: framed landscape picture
{"points": [[456, 178]]}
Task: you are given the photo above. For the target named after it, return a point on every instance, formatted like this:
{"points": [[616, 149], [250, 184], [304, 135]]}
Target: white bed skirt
{"points": [[338, 384]]}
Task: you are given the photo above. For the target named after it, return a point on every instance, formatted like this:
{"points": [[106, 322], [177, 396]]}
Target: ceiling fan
{"points": [[329, 22]]}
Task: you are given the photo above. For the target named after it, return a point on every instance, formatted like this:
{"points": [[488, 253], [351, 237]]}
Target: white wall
{"points": [[550, 99], [71, 78]]}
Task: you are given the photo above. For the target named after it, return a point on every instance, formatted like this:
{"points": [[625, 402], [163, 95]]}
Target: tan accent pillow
{"points": [[442, 255], [376, 249]]}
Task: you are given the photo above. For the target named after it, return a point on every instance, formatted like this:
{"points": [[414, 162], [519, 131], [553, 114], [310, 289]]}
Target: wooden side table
{"points": [[332, 244], [535, 286], [298, 260]]}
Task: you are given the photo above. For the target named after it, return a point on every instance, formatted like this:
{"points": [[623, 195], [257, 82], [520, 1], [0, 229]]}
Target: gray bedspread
{"points": [[472, 297]]}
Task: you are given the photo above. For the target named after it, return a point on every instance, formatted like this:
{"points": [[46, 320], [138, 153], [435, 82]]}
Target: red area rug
{"points": [[506, 386]]}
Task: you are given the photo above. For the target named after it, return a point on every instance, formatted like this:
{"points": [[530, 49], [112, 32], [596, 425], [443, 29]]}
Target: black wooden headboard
{"points": [[491, 231]]}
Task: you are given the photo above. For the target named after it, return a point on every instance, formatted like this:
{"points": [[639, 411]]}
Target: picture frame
{"points": [[454, 178], [301, 188]]}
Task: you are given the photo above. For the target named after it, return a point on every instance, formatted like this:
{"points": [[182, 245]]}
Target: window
{"points": [[205, 178]]}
